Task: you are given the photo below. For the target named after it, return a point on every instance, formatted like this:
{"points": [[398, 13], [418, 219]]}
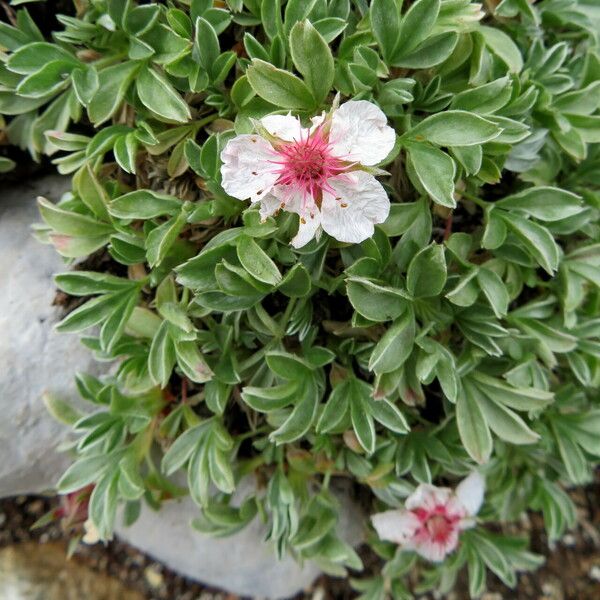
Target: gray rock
{"points": [[244, 563], [33, 358]]}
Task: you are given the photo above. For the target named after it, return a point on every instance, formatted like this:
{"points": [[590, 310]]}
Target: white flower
{"points": [[323, 173], [433, 518]]}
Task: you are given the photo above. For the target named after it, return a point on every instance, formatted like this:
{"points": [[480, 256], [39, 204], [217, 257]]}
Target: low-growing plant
{"points": [[410, 297]]}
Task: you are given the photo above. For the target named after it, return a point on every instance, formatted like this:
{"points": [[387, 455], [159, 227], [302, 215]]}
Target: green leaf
{"points": [[495, 291], [288, 366], [359, 394], [83, 472], [416, 26], [388, 414], [60, 410], [375, 302], [313, 59], [270, 14], [112, 85], [71, 223], [470, 157], [302, 416], [433, 51], [519, 398], [198, 475], [537, 240], [91, 192], [6, 164], [181, 450], [271, 398], [161, 238], [555, 339], [435, 171], [503, 47], [191, 361], [336, 408], [114, 325], [544, 203], [256, 262], [385, 20], [206, 45], [220, 470], [279, 87], [506, 424], [140, 19], [426, 275], [32, 57], [495, 231], [396, 345], [162, 357], [144, 204], [49, 79], [580, 102], [484, 99], [472, 426], [158, 95], [125, 151], [85, 84], [131, 484], [454, 128], [297, 10], [296, 283]]}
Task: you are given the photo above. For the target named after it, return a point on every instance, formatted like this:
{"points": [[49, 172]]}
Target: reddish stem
{"points": [[448, 228]]}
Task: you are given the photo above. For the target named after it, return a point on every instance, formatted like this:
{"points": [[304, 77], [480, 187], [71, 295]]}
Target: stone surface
{"points": [[33, 358], [243, 563]]}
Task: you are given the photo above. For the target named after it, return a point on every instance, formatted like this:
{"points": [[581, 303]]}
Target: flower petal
{"points": [[397, 526], [360, 133], [358, 204], [270, 204], [470, 492], [428, 497], [308, 228], [310, 218], [247, 170], [436, 551], [284, 127]]}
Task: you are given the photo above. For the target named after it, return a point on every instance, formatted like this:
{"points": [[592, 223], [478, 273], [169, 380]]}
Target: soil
{"points": [[571, 571]]}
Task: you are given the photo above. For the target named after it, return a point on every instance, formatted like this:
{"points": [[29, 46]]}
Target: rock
{"points": [[33, 357], [243, 563]]}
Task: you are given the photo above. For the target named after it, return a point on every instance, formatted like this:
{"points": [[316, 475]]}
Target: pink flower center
{"points": [[307, 164], [437, 524], [440, 528]]}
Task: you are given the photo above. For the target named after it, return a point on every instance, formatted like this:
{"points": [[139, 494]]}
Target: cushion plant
{"points": [[346, 239]]}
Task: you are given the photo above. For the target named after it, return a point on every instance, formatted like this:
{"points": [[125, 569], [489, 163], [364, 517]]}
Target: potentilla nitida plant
{"points": [[340, 241]]}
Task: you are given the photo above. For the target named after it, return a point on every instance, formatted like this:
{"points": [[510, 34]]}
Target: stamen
{"points": [[307, 164]]}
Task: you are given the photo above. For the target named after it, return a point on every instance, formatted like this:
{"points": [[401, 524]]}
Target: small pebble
{"points": [[35, 507], [153, 577], [595, 573], [552, 590]]}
